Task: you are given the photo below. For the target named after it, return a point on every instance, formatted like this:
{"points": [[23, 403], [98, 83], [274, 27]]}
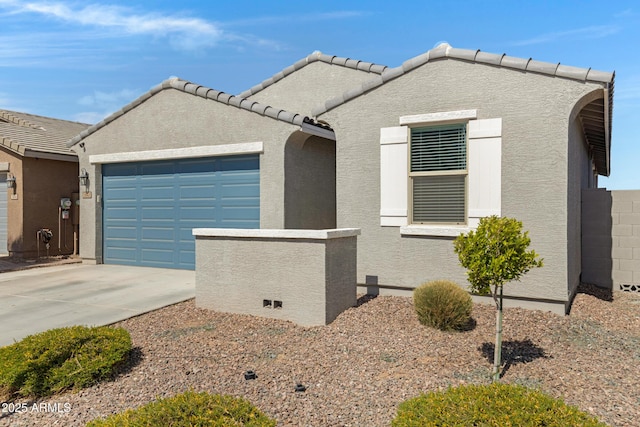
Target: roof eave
{"points": [[445, 51], [51, 156], [202, 92]]}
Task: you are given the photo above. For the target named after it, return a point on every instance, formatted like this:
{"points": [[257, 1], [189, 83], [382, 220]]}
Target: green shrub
{"points": [[490, 405], [443, 305], [61, 359], [190, 409]]}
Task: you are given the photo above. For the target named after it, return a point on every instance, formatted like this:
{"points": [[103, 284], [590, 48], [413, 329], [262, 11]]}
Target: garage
{"points": [[150, 207]]}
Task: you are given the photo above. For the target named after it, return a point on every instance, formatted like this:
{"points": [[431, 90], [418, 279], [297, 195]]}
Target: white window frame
{"points": [[483, 185], [412, 175]]}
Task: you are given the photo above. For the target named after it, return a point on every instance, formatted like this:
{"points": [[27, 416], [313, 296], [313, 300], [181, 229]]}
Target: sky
{"points": [[83, 60]]}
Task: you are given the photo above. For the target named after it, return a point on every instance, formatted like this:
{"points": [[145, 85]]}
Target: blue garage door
{"points": [[150, 208]]}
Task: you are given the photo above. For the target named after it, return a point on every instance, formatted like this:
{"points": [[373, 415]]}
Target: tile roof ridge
{"points": [[17, 114], [316, 56], [203, 92], [12, 117], [446, 51]]}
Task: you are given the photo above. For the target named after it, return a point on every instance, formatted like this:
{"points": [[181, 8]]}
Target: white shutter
{"points": [[393, 176], [485, 168]]}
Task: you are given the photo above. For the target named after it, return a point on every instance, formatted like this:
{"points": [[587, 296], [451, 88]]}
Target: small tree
{"points": [[494, 254]]}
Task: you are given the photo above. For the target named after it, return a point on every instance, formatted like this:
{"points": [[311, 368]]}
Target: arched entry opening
{"points": [[309, 182]]}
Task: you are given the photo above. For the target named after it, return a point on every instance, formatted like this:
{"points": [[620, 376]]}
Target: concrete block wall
{"points": [[611, 238], [625, 232]]}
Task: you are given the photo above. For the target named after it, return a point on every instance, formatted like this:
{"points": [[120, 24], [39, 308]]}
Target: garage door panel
{"points": [[121, 193], [156, 193], [122, 255], [150, 171], [202, 213], [239, 163], [119, 232], [157, 213], [159, 257], [150, 208], [166, 234], [195, 167], [197, 192], [122, 213], [122, 171]]}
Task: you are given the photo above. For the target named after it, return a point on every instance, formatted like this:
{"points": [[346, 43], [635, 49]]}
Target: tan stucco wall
{"points": [[535, 111], [311, 86], [174, 119], [45, 183], [40, 184]]}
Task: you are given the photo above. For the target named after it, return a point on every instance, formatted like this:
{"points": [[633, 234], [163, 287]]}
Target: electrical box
{"points": [[65, 214], [65, 203]]}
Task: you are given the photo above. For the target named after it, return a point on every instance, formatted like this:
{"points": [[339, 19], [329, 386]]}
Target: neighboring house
{"points": [[34, 158], [412, 156]]}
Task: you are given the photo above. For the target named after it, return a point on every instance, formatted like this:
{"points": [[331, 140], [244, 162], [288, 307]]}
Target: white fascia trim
{"points": [[434, 230], [179, 153], [318, 131], [445, 116], [263, 233]]}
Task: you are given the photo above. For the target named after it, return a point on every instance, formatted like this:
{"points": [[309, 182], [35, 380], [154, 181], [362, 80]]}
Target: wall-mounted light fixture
{"points": [[11, 181], [84, 179]]}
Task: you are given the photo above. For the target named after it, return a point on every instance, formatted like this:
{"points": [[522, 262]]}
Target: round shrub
{"points": [[443, 304], [190, 409], [61, 359], [490, 405]]}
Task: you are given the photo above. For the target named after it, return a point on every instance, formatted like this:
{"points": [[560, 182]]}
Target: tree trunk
{"points": [[497, 352]]}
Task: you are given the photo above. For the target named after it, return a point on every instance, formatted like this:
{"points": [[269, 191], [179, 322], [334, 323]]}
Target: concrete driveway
{"points": [[38, 299]]}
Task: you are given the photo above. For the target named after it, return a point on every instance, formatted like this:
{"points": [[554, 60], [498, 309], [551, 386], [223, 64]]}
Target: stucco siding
{"points": [[579, 170], [45, 183], [174, 119], [306, 280], [311, 86], [33, 204], [535, 111], [310, 183]]}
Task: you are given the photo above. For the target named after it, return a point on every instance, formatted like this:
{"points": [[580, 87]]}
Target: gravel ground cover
{"points": [[372, 357]]}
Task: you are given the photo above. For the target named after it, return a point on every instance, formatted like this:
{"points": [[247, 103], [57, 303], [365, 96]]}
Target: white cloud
{"points": [[101, 99], [6, 103], [183, 32], [307, 17], [91, 117], [103, 104], [587, 33]]}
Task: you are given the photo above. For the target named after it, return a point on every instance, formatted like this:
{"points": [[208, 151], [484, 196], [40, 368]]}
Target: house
{"points": [[412, 156], [37, 170]]}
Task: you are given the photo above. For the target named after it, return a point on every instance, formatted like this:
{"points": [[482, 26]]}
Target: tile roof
{"points": [[203, 92], [35, 136], [316, 56], [444, 50], [597, 128]]}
